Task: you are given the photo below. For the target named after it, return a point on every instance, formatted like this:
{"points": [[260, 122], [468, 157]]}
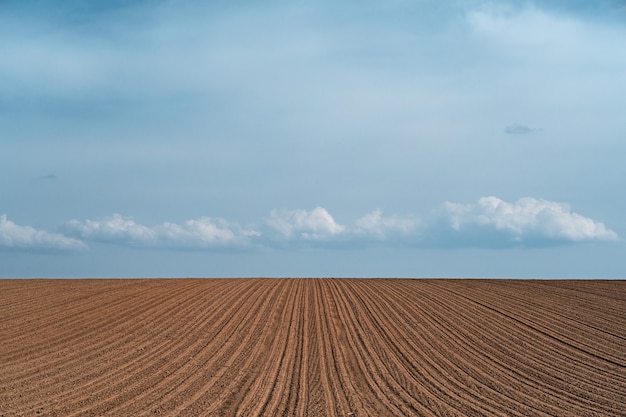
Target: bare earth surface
{"points": [[312, 347]]}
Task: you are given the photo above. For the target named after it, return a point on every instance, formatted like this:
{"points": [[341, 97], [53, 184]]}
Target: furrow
{"points": [[155, 386]]}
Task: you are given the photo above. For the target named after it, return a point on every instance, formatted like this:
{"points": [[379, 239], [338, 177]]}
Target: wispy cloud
{"points": [[518, 129], [27, 238]]}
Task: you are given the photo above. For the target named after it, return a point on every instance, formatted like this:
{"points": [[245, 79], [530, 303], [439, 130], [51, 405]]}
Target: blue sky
{"points": [[312, 138]]}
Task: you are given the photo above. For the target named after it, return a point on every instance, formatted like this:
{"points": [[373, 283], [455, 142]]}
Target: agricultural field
{"points": [[312, 347]]}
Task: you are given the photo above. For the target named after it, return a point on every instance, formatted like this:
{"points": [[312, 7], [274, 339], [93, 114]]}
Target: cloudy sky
{"points": [[313, 138]]}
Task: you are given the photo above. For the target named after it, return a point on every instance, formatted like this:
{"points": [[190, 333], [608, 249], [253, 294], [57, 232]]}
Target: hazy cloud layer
{"points": [[517, 129], [16, 237]]}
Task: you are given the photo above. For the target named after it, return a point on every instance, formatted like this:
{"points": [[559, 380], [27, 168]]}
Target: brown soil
{"points": [[312, 347]]}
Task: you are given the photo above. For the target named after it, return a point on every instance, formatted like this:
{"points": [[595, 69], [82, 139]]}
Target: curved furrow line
{"points": [[169, 344], [584, 310], [403, 366], [86, 343], [296, 387], [318, 347], [558, 298], [364, 375], [275, 360], [408, 362], [81, 300], [542, 371], [227, 362], [240, 360], [444, 379], [275, 333], [90, 343], [503, 385], [524, 349], [331, 398], [452, 371], [160, 340], [30, 320], [161, 365], [413, 356], [58, 296], [56, 330], [267, 354], [278, 369], [523, 333], [589, 308], [114, 364], [102, 364], [367, 367], [503, 347], [67, 376], [582, 351], [14, 306], [271, 390], [313, 390], [564, 326], [13, 291], [341, 396], [555, 346], [309, 393], [607, 290]]}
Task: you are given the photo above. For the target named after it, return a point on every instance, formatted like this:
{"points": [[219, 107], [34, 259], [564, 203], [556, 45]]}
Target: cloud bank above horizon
{"points": [[490, 222], [27, 238], [190, 137]]}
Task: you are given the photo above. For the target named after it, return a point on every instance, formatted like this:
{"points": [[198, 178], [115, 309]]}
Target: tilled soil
{"points": [[312, 347]]}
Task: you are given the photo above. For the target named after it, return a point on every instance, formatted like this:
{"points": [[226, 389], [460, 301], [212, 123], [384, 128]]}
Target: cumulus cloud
{"points": [[112, 229], [527, 222], [319, 226], [204, 232], [489, 223], [316, 224], [16, 237], [375, 225]]}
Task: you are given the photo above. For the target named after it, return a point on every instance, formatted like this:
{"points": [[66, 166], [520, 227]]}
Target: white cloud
{"points": [[16, 237], [381, 227], [204, 232], [316, 224], [490, 222], [115, 228], [527, 221]]}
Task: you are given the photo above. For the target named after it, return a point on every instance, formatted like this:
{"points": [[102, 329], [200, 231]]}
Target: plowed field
{"points": [[312, 347]]}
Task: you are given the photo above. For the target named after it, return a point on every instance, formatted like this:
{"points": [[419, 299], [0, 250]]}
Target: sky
{"points": [[184, 138]]}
